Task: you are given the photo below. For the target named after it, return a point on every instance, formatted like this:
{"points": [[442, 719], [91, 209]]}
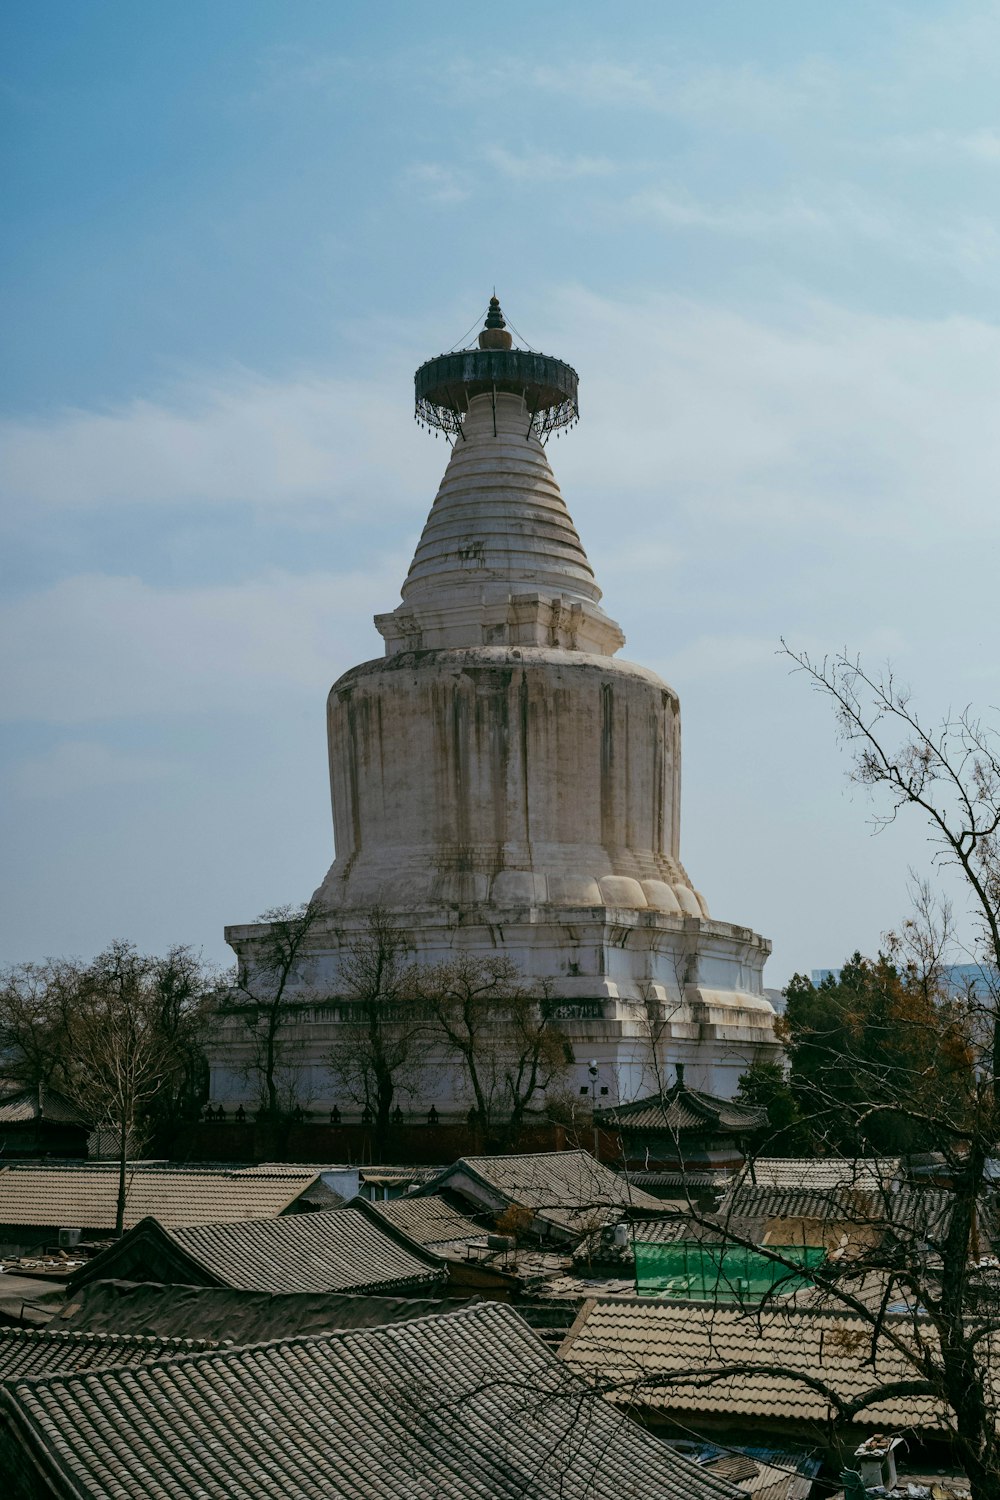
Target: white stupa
{"points": [[501, 780]]}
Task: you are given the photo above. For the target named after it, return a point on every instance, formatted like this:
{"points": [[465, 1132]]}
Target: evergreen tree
{"points": [[875, 1053], [765, 1086]]}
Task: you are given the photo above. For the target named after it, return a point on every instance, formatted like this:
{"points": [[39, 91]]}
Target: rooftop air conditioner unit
{"points": [[69, 1238]]}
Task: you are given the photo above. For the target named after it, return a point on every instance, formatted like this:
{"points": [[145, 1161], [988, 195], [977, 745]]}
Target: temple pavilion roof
{"points": [[684, 1111]]}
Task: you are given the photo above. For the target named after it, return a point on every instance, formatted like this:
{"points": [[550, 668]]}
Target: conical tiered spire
{"points": [[499, 516], [499, 561]]}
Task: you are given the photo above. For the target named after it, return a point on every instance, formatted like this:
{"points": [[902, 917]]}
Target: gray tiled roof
{"points": [[692, 1181], [86, 1196], [223, 1313], [663, 1355], [567, 1190], [446, 1408], [27, 1352], [762, 1481], [394, 1173], [339, 1251], [427, 1221], [325, 1252], [20, 1105], [822, 1172], [681, 1109], [923, 1213], [856, 1204]]}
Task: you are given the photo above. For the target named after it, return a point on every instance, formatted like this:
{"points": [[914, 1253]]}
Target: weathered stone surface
{"points": [[500, 773]]}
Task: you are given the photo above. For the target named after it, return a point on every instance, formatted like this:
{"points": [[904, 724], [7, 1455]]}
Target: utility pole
{"points": [[593, 1071]]}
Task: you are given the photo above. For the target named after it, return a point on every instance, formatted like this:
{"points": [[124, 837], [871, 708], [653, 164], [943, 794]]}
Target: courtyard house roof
{"points": [[568, 1193], [466, 1405], [338, 1251], [430, 1221], [680, 1110], [223, 1313], [865, 1213], [822, 1173], [742, 1366], [86, 1196], [19, 1105]]}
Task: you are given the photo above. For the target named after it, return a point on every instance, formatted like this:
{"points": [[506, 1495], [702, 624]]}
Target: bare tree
{"points": [[948, 772], [119, 1060], [182, 997], [383, 1035], [121, 1036], [262, 993], [124, 1050], [506, 1039], [655, 1022], [903, 1261], [36, 1003], [922, 1251]]}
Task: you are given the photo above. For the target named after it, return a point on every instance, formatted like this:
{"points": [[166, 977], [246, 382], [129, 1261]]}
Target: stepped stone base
{"points": [[639, 991]]}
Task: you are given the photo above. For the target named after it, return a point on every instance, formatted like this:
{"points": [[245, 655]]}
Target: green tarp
{"points": [[720, 1273]]}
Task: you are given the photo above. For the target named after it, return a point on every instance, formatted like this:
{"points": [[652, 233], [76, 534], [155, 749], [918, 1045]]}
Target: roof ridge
{"points": [[171, 1169], [734, 1313], [475, 1311], [535, 1156], [42, 1335]]}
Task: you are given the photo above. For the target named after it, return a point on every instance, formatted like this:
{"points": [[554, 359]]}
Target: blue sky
{"points": [[765, 234]]}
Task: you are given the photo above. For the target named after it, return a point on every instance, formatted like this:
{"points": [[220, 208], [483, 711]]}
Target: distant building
{"points": [[39, 1121], [976, 980], [683, 1129]]}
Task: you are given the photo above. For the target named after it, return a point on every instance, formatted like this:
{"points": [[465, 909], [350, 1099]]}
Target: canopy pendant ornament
{"points": [[445, 385]]}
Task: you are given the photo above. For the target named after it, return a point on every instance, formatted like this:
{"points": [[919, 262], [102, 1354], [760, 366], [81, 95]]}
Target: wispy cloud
{"points": [[98, 647], [546, 166], [438, 182], [736, 653], [692, 91], [982, 145], [821, 416], [239, 438], [671, 85], [294, 70], [833, 217], [680, 210]]}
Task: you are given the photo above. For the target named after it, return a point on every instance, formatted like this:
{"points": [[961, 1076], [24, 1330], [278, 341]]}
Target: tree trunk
{"points": [[270, 1060], [963, 1382], [383, 1107], [482, 1113], [122, 1163]]}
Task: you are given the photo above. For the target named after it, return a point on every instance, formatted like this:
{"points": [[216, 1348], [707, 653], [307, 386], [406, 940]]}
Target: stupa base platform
{"points": [[637, 992]]}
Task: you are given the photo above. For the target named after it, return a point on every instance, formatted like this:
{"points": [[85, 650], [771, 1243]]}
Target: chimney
{"points": [[876, 1461]]}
